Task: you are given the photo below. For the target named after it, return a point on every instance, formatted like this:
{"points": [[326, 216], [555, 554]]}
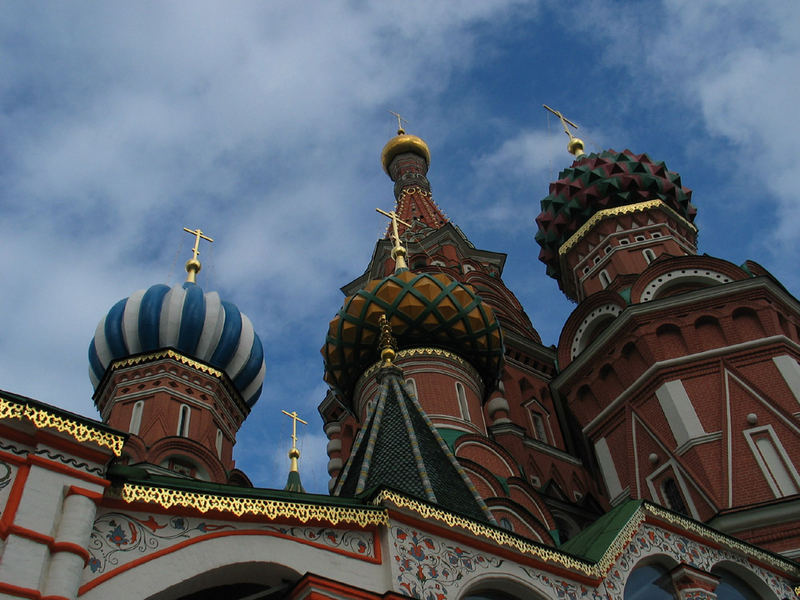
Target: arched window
{"points": [[649, 255], [219, 443], [605, 280], [644, 583], [183, 421], [136, 417], [732, 587], [673, 497], [411, 386], [462, 401]]}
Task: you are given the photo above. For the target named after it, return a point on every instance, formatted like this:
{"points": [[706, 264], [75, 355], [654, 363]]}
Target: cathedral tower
{"points": [[179, 369], [680, 368]]}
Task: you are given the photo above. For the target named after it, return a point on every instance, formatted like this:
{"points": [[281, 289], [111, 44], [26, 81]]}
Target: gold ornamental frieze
{"points": [[45, 419]]}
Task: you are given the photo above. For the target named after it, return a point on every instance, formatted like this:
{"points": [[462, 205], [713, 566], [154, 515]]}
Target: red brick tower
{"points": [[513, 441], [179, 369], [681, 369]]}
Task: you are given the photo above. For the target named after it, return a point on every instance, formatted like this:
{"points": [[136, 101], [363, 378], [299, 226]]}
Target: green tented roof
{"points": [[592, 542]]}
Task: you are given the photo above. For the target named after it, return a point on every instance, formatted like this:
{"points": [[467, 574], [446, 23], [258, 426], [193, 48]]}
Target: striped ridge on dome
{"points": [[198, 325]]}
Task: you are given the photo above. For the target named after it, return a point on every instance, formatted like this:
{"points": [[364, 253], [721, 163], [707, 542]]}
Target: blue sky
{"points": [[262, 124]]}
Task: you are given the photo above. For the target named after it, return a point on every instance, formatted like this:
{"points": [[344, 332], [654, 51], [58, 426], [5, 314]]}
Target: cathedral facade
{"points": [[651, 454]]}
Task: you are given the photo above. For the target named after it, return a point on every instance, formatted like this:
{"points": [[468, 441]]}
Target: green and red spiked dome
{"points": [[599, 181], [424, 310]]}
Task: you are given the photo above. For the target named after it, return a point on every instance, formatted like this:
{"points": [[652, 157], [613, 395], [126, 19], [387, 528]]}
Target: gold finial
{"points": [[193, 265], [400, 121], [575, 145], [398, 252], [387, 343], [294, 453]]}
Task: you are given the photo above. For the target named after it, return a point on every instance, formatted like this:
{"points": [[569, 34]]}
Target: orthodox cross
{"points": [[295, 419], [575, 145], [400, 121], [193, 265], [198, 234], [395, 220]]}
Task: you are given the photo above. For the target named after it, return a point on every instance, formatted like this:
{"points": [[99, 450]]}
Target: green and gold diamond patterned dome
{"points": [[423, 309], [604, 180]]}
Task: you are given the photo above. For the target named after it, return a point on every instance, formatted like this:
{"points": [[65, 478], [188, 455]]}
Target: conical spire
{"points": [[399, 448], [406, 159]]}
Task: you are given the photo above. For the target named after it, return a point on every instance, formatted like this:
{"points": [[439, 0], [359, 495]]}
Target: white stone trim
{"points": [[579, 341], [769, 469], [606, 462], [651, 288], [790, 371], [679, 411]]}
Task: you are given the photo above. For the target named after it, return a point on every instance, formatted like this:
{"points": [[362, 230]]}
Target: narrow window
{"points": [[538, 425], [608, 250], [462, 401], [411, 386], [605, 280], [183, 421], [596, 259], [136, 417], [649, 255], [219, 443], [585, 270], [673, 496]]}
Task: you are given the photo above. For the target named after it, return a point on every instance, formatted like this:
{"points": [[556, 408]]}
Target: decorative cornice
{"points": [[614, 212], [271, 509], [139, 359], [43, 418]]}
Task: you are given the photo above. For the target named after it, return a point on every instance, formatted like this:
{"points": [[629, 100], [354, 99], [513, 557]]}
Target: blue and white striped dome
{"points": [[199, 326]]}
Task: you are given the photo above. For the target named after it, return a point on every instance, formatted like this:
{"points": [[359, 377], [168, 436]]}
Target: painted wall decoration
{"points": [[651, 540], [431, 569], [8, 472], [119, 538]]}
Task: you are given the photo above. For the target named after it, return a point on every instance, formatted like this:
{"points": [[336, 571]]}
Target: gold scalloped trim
{"points": [[42, 418], [271, 509], [412, 352], [496, 535], [142, 358], [618, 210]]}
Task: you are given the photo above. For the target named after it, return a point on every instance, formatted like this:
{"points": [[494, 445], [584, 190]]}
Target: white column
{"points": [[74, 530]]}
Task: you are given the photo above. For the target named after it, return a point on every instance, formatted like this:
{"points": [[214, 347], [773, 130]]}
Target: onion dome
{"points": [[596, 182], [401, 144], [198, 325], [422, 309]]}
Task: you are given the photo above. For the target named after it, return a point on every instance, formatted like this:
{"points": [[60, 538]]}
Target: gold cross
{"points": [[198, 234], [564, 121], [575, 145], [295, 419], [395, 220], [400, 121]]}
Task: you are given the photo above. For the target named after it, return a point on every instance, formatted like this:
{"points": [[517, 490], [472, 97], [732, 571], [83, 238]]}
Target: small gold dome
{"points": [[404, 143]]}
